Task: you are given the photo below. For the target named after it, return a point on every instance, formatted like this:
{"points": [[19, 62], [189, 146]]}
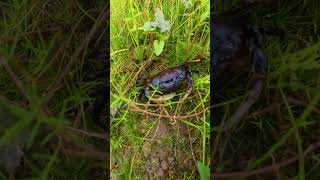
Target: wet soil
{"points": [[168, 152]]}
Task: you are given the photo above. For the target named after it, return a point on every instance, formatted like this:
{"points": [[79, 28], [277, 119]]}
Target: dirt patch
{"points": [[167, 151]]}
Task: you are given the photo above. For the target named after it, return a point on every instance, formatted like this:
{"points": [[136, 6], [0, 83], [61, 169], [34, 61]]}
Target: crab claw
{"points": [[163, 98]]}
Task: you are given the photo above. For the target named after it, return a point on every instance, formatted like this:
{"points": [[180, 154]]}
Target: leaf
{"points": [[147, 27], [160, 22], [204, 171], [164, 26], [158, 47]]}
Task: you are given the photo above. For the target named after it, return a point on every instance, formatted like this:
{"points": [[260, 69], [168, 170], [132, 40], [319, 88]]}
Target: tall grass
{"points": [[47, 116]]}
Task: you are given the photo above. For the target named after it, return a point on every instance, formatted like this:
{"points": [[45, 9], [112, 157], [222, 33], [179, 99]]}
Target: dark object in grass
{"points": [[101, 95], [168, 81], [12, 151], [99, 106], [238, 44]]}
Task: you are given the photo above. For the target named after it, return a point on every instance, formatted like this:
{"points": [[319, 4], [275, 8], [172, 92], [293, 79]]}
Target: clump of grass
{"points": [[45, 88], [132, 56]]}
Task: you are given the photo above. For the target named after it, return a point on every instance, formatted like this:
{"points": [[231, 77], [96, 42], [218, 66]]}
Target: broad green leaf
{"points": [[147, 27], [158, 47], [204, 171]]}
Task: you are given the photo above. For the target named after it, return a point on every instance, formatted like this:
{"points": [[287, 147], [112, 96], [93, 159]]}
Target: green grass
{"points": [[269, 135], [132, 57], [45, 101]]}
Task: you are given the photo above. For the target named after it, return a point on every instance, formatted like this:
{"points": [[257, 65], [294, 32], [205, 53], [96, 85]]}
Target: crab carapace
{"points": [[169, 81]]}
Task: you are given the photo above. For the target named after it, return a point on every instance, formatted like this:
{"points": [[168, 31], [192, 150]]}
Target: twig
{"points": [[172, 120], [84, 150], [155, 132], [192, 152], [90, 134], [53, 59], [276, 105], [94, 154], [302, 103], [14, 78], [135, 77], [136, 109], [266, 169]]}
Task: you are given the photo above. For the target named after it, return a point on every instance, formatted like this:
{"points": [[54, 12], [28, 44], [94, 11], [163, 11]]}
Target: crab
{"points": [[167, 82], [237, 44]]}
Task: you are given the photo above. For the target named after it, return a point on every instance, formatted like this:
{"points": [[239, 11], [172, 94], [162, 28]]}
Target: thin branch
{"points": [[136, 109], [302, 103], [14, 78], [84, 150], [192, 152], [90, 134], [266, 169]]}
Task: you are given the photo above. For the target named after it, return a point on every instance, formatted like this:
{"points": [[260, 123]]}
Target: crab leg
{"points": [[250, 98], [259, 65], [190, 84]]}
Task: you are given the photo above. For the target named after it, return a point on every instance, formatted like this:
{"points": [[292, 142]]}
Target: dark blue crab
{"points": [[169, 81], [236, 43]]}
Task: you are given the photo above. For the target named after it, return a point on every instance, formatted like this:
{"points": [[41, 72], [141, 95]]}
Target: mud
{"points": [[167, 152]]}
